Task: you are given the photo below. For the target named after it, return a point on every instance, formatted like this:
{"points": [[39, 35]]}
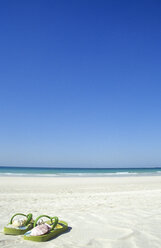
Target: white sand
{"points": [[103, 212]]}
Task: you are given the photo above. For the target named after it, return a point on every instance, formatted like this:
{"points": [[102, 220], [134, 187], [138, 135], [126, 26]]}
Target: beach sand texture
{"points": [[118, 212]]}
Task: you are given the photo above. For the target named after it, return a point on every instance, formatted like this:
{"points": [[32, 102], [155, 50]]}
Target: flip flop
{"points": [[46, 231], [19, 227]]}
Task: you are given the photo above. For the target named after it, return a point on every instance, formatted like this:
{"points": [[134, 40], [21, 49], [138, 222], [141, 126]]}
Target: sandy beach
{"points": [[118, 212]]}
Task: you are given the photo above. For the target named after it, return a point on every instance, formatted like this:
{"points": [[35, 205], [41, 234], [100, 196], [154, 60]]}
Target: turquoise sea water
{"points": [[77, 172]]}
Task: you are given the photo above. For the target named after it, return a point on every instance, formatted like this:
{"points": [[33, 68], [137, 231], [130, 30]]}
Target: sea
{"points": [[77, 172]]}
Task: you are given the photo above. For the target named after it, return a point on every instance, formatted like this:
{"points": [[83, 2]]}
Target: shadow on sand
{"points": [[67, 231]]}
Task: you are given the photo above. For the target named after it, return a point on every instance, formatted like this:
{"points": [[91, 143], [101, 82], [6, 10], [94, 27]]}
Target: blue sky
{"points": [[80, 83]]}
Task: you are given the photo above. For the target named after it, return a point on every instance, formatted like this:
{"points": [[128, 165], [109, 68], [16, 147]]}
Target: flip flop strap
{"points": [[28, 216], [51, 219], [55, 218]]}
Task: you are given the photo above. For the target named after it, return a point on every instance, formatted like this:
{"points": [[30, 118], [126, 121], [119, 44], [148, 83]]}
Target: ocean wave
{"points": [[88, 174], [81, 174], [27, 174], [126, 173]]}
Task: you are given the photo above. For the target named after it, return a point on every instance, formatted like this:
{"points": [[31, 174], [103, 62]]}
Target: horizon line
{"points": [[52, 167]]}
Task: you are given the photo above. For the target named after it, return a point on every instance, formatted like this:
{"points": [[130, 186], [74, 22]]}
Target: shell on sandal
{"points": [[40, 222], [40, 230], [18, 223]]}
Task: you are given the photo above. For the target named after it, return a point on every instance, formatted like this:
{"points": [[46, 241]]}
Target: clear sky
{"points": [[80, 83]]}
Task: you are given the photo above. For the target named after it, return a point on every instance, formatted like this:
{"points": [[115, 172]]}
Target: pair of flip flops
{"points": [[37, 230]]}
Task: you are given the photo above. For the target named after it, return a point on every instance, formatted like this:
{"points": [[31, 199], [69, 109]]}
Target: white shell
{"points": [[18, 223], [40, 230], [40, 222]]}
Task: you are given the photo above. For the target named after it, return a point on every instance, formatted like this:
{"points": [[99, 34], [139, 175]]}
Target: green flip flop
{"points": [[19, 227], [55, 228]]}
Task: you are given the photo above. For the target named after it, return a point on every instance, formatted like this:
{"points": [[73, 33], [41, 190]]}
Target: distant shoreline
{"points": [[78, 172]]}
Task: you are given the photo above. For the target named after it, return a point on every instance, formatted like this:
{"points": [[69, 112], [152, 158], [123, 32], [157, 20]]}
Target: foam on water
{"points": [[77, 172]]}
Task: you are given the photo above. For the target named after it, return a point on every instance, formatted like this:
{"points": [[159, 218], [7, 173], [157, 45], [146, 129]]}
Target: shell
{"points": [[40, 222], [40, 230], [18, 223]]}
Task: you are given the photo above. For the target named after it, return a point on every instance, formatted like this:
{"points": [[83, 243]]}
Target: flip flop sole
{"points": [[15, 231], [52, 234]]}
